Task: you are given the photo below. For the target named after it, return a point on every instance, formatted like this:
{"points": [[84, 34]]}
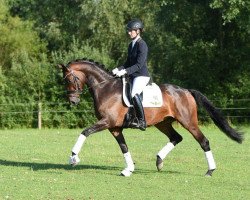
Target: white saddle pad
{"points": [[152, 96]]}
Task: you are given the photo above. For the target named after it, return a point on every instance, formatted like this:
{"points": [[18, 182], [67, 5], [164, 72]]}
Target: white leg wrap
{"points": [[210, 160], [165, 150], [78, 145], [130, 165]]}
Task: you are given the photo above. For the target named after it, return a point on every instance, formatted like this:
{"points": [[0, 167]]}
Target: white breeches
{"points": [[139, 83]]}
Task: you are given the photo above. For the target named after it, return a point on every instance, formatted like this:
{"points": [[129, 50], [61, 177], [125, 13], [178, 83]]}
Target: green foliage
{"points": [[22, 86], [17, 37], [55, 21], [230, 9], [79, 50], [197, 50]]}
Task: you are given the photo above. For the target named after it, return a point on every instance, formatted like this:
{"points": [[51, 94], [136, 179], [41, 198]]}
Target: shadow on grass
{"points": [[162, 172], [45, 166], [34, 166]]}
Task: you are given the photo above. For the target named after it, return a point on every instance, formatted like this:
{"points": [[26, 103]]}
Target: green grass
{"points": [[33, 165]]}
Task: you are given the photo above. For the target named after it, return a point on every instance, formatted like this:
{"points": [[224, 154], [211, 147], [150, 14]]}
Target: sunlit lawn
{"points": [[33, 165]]}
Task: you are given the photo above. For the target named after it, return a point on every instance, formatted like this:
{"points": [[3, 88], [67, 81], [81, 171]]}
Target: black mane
{"points": [[92, 62]]}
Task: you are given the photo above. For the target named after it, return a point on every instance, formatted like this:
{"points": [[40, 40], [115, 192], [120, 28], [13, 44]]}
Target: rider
{"points": [[136, 67]]}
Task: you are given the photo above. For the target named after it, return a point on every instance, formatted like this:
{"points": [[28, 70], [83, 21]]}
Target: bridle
{"points": [[76, 83]]}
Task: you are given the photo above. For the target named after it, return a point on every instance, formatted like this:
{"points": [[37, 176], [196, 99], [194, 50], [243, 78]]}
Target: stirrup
{"points": [[140, 124]]}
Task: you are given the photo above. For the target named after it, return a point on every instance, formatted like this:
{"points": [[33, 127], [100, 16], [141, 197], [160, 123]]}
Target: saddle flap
{"points": [[152, 96]]}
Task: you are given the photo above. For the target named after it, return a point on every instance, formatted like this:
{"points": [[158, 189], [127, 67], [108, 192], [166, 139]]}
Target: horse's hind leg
{"points": [[130, 167], [174, 137], [204, 143]]}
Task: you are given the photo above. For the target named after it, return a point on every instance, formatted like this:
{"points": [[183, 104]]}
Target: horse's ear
{"points": [[62, 66]]}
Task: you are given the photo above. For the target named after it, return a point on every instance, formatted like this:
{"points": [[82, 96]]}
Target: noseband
{"points": [[75, 82]]}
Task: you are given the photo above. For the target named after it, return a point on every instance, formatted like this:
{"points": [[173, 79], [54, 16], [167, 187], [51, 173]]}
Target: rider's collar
{"points": [[135, 39]]}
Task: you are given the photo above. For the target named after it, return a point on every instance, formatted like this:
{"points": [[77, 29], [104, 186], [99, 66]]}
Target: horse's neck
{"points": [[94, 74], [99, 82], [101, 91]]}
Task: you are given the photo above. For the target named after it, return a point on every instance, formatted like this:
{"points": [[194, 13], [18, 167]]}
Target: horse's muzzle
{"points": [[74, 100]]}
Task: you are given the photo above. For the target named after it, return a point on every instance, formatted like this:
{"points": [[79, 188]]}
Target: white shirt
{"points": [[134, 40]]}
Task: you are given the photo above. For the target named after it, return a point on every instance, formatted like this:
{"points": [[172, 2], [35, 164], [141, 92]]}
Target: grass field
{"points": [[33, 165]]}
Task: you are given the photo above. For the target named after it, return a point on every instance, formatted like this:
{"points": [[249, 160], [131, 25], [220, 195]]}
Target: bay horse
{"points": [[179, 105]]}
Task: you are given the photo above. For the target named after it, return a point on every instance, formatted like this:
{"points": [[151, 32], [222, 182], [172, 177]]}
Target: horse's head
{"points": [[80, 72], [74, 81]]}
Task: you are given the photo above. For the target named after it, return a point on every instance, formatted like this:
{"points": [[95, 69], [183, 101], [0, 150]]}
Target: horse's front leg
{"points": [[99, 126], [130, 167]]}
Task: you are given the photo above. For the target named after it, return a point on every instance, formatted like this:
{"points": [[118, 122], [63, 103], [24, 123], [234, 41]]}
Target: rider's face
{"points": [[133, 33]]}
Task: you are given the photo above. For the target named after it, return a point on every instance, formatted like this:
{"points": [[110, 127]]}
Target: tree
{"points": [[201, 48], [17, 37], [195, 44]]}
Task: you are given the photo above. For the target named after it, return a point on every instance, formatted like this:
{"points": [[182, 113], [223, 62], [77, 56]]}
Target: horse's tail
{"points": [[217, 117]]}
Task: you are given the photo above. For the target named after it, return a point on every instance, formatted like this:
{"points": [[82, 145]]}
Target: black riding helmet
{"points": [[134, 24]]}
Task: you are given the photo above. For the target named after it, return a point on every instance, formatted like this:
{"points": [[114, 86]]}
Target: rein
{"points": [[78, 89]]}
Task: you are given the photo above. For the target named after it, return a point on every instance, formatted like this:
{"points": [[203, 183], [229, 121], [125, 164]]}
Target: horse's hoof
{"points": [[209, 173], [126, 173], [159, 163], [74, 160], [74, 164]]}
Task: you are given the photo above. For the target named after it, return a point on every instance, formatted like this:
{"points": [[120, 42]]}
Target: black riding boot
{"points": [[139, 112]]}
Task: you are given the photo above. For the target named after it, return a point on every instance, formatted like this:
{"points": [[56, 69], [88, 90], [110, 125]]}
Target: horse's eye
{"points": [[68, 81]]}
